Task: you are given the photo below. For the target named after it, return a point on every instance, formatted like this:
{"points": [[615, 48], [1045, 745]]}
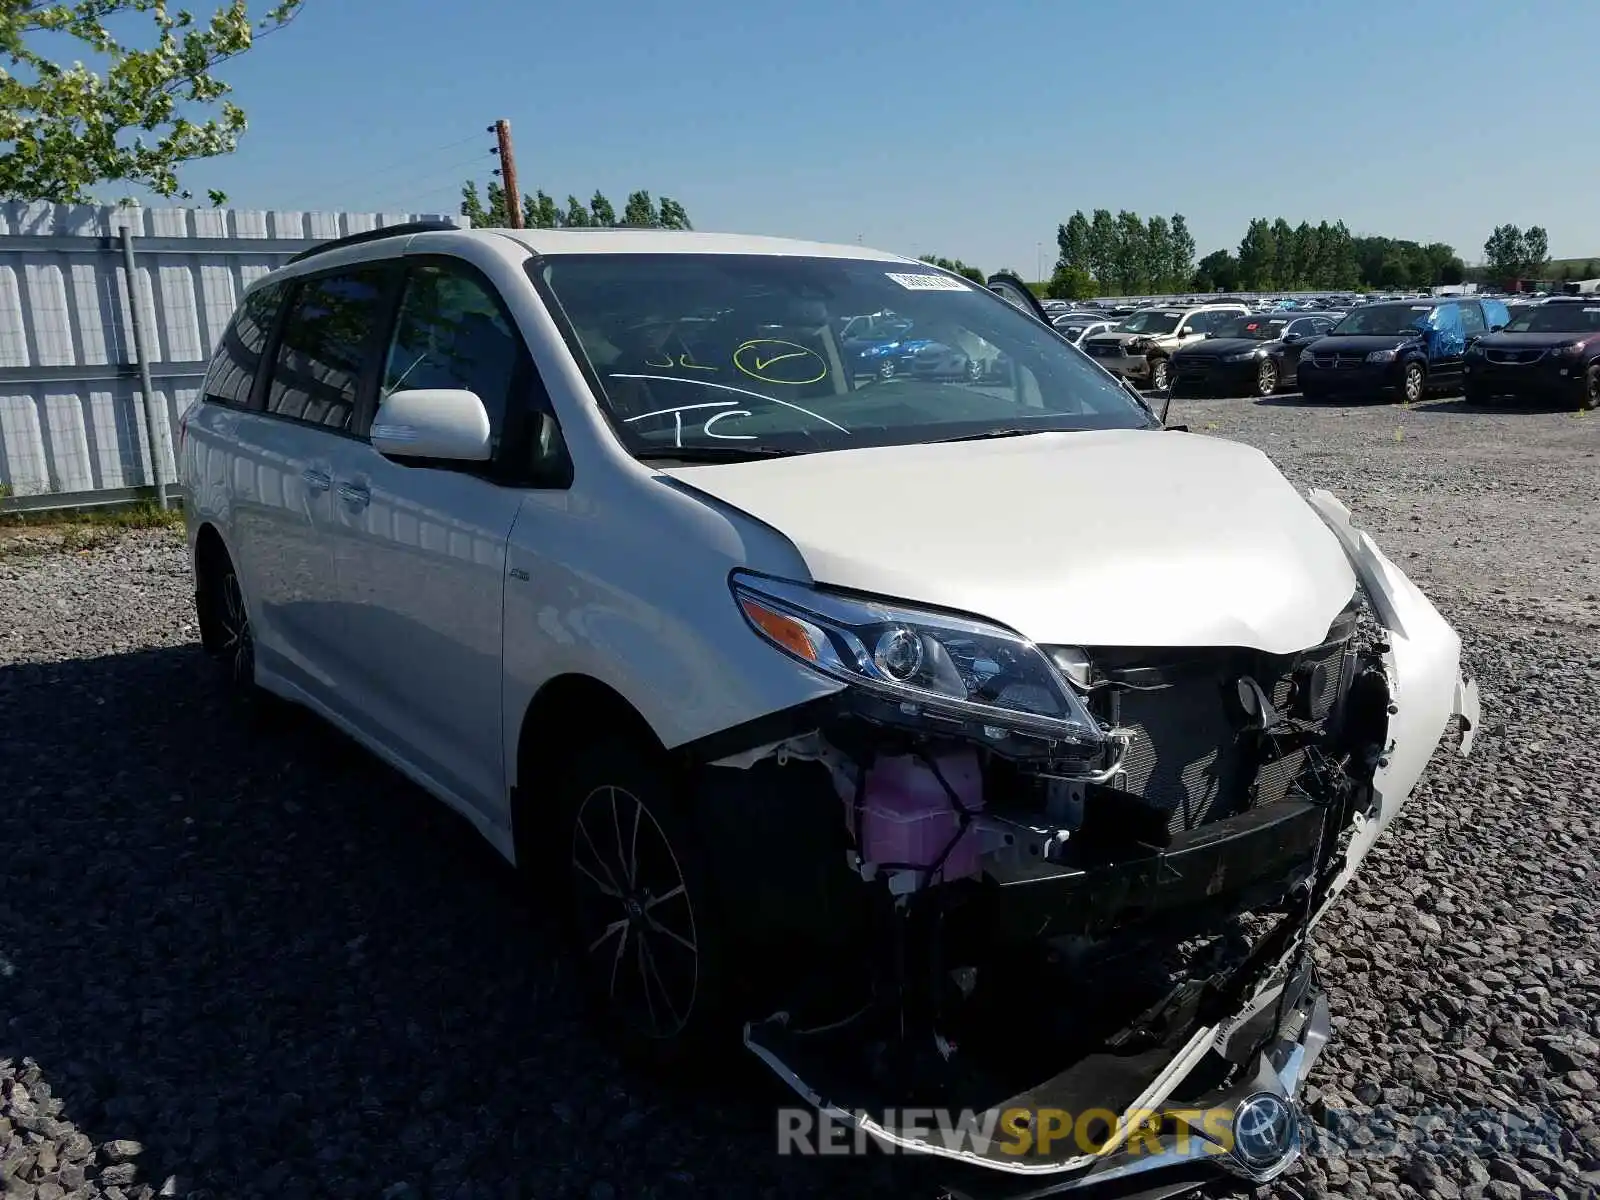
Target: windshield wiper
{"points": [[713, 454], [1010, 431]]}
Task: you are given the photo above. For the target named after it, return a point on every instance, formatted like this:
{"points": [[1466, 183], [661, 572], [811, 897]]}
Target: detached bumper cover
{"points": [[1424, 667], [1251, 1128]]}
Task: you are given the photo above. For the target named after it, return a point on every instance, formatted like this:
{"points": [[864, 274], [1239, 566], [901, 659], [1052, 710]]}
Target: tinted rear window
{"points": [[233, 367], [326, 338]]}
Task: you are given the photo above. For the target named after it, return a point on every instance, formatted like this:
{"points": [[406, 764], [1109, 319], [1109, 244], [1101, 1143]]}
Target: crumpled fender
{"points": [[1423, 663]]}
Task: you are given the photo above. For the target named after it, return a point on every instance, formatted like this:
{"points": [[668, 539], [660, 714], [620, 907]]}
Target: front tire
{"points": [[1267, 378], [639, 906], [1591, 387], [1160, 375], [1413, 383]]}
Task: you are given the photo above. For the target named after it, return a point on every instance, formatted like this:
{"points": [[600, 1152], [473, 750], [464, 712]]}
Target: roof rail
{"points": [[373, 235]]}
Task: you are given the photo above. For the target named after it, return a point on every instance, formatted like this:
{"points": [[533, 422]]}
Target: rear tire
{"points": [[638, 907], [226, 631]]}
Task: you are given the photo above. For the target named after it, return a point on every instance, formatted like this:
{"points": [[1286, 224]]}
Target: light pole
{"points": [[1038, 261]]}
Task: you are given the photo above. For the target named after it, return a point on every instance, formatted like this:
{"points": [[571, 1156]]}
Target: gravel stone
{"points": [[229, 938]]}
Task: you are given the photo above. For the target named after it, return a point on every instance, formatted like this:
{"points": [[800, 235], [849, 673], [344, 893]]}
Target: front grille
{"points": [[1189, 758], [1339, 359], [1193, 368], [1515, 356], [1105, 349]]}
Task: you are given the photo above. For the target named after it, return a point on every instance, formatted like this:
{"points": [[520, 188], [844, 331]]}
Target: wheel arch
{"points": [[210, 552], [565, 714]]}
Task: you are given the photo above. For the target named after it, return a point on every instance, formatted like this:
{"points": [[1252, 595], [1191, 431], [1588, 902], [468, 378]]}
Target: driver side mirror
{"points": [[1496, 328], [449, 424], [1290, 339]]}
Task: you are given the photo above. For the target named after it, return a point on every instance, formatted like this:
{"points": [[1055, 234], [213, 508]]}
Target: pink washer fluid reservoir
{"points": [[908, 818]]}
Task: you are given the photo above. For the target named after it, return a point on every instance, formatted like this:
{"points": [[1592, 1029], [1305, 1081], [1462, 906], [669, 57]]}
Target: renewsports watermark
{"points": [[1023, 1133]]}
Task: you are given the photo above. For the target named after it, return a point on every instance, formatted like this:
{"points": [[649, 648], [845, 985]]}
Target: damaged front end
{"points": [[1062, 895]]}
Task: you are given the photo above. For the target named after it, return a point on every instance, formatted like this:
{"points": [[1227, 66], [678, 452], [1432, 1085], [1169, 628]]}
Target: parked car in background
{"points": [[1406, 348], [1254, 355], [1548, 351], [884, 345], [822, 710], [1077, 326], [1140, 348]]}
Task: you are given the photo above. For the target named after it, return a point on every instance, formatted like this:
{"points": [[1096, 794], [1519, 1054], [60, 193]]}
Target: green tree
{"points": [[1130, 260], [577, 215], [1536, 243], [1217, 271], [1103, 250], [601, 211], [1258, 255], [472, 206], [1505, 253], [672, 215], [1073, 243], [1283, 266], [490, 214], [1157, 257], [1070, 283], [1180, 252], [1345, 270], [68, 128], [539, 211], [956, 265], [1303, 256], [640, 211]]}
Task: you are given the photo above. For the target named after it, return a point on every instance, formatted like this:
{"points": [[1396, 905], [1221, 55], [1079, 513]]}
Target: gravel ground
{"points": [[240, 959]]}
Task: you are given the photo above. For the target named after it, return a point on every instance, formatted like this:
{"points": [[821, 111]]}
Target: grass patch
{"points": [[144, 515], [71, 530]]}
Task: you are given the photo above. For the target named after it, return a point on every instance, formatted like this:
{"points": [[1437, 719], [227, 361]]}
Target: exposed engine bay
{"points": [[974, 918]]}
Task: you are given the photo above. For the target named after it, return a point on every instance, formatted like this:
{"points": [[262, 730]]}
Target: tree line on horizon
{"points": [[542, 211]]}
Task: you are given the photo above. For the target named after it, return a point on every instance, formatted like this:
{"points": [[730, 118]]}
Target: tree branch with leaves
{"points": [[138, 120]]}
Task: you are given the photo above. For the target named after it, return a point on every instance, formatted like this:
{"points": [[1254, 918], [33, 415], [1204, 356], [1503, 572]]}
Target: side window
{"points": [[233, 368], [452, 333], [326, 336], [1472, 319], [1200, 322]]}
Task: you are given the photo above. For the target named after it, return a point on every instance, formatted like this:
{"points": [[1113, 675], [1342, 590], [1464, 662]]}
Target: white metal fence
{"points": [[74, 425]]}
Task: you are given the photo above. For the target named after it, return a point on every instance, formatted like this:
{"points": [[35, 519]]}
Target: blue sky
{"points": [[944, 126]]}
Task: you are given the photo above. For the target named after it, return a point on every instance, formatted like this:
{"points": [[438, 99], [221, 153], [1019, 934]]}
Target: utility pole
{"points": [[508, 172]]}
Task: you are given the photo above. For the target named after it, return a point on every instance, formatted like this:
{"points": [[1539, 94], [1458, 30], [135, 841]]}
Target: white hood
{"points": [[1113, 538]]}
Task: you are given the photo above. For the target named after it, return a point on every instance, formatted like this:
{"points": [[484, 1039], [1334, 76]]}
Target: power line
{"points": [[409, 162]]}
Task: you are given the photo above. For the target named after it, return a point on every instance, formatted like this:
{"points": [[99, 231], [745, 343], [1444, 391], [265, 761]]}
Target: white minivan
{"points": [[965, 741]]}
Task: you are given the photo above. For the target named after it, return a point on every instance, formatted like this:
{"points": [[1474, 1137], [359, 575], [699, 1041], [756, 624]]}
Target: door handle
{"points": [[317, 480], [354, 495]]}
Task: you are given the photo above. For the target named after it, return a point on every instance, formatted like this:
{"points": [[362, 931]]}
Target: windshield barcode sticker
{"points": [[921, 281]]}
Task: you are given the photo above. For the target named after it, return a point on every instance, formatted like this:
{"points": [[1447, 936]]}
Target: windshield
{"points": [[1261, 329], [1386, 319], [759, 354], [1151, 320], [1557, 318]]}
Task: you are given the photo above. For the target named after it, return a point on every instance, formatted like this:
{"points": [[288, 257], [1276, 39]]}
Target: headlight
{"points": [[1381, 356], [1242, 356], [1571, 349], [940, 665], [1475, 351]]}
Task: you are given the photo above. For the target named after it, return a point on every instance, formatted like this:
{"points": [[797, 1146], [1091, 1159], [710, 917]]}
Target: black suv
{"points": [[1549, 351]]}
